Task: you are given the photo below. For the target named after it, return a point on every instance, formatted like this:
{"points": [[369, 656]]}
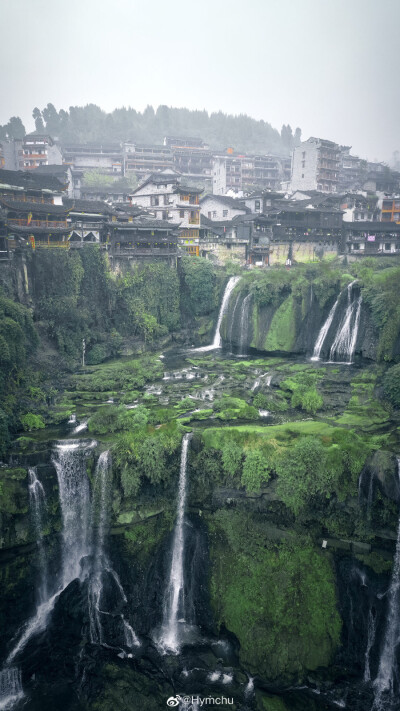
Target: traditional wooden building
{"points": [[143, 238], [371, 239], [33, 209]]}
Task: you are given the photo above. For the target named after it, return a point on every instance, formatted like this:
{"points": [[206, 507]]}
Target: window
{"points": [[356, 246], [224, 213], [182, 213], [154, 200], [214, 213], [388, 246], [304, 154], [257, 206], [209, 215], [302, 175], [303, 164]]}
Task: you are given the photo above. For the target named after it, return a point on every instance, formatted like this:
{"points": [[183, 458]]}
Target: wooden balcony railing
{"points": [[36, 223]]}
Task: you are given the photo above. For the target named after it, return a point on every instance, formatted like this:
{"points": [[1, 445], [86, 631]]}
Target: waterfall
{"points": [[174, 603], [10, 687], [74, 501], [217, 342], [324, 332], [37, 500], [244, 324], [232, 322], [101, 504], [74, 495], [346, 337], [388, 669]]}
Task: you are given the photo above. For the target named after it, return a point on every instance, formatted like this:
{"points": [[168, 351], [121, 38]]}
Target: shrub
{"points": [[32, 422]]}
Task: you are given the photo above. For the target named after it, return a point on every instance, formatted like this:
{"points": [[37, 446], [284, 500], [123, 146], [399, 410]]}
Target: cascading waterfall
{"points": [[324, 332], [345, 341], [244, 324], [101, 502], [10, 687], [74, 495], [232, 321], [74, 501], [169, 638], [346, 337], [388, 674], [37, 500], [217, 342]]}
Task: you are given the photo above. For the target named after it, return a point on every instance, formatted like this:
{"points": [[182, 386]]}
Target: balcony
{"points": [[36, 223]]}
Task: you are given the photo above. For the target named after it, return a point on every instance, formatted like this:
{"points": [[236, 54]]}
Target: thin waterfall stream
{"points": [[169, 638], [217, 342], [37, 500], [102, 568]]}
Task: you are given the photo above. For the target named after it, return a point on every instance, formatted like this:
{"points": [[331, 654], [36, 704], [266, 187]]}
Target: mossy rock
{"points": [[282, 331], [278, 599]]}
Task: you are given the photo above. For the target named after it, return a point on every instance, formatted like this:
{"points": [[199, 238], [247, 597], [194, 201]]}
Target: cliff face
{"points": [[291, 322]]}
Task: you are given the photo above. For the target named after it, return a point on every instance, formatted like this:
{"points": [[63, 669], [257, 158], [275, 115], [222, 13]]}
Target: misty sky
{"points": [[328, 66]]}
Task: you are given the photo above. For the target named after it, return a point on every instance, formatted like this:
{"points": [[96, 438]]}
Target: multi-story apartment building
{"points": [[94, 156], [315, 166], [353, 171], [38, 150], [248, 172], [169, 199], [145, 159], [191, 156]]}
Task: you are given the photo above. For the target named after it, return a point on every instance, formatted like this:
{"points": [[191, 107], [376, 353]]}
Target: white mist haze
{"points": [[327, 66]]}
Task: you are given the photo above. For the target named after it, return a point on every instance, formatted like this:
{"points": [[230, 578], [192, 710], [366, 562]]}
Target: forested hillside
{"points": [[81, 124]]}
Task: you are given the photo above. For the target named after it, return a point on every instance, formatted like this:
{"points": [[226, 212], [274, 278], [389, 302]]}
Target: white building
{"points": [[315, 166], [38, 150], [222, 207], [168, 198]]}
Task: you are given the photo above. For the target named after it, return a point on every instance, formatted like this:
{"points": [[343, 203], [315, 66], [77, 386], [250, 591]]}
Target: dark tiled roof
{"points": [[44, 208], [52, 170], [372, 227], [228, 201], [216, 224], [92, 207], [188, 189], [158, 179], [30, 180]]}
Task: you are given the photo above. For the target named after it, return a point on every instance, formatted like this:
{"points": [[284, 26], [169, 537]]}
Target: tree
{"points": [[13, 129], [37, 117]]}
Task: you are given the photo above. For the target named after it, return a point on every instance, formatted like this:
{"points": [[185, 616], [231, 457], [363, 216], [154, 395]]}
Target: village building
{"points": [[246, 172], [371, 239], [315, 166], [106, 158], [141, 160], [39, 150], [142, 239], [222, 207], [33, 209], [168, 198], [109, 193]]}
